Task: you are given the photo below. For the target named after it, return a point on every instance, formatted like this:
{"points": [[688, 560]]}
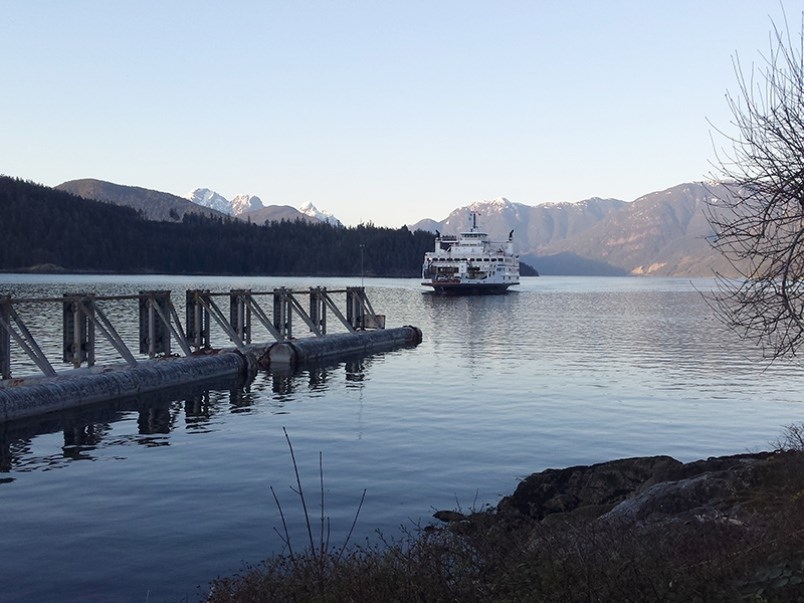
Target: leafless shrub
{"points": [[792, 438], [759, 224]]}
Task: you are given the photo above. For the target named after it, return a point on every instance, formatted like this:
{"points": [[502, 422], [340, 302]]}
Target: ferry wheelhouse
{"points": [[470, 263]]}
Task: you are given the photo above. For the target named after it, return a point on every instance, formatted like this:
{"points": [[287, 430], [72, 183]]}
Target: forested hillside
{"points": [[40, 225], [153, 205]]}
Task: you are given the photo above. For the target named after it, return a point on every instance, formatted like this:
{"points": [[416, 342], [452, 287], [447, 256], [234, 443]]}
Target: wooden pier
{"points": [[85, 321]]}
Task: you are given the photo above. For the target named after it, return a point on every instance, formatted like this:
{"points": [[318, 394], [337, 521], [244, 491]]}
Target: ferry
{"points": [[469, 263]]}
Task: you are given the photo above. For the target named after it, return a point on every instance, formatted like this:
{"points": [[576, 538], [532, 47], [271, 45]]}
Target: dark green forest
{"points": [[41, 226]]}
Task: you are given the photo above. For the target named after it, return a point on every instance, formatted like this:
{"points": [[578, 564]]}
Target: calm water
{"points": [[149, 499]]}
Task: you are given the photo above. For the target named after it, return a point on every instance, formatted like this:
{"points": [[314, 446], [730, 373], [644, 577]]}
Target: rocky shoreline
{"points": [[653, 528], [722, 529], [648, 489]]}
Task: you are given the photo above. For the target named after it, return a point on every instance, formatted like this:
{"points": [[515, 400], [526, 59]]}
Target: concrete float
{"points": [[297, 352], [27, 397]]}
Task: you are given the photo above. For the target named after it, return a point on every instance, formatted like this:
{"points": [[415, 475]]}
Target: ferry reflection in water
{"points": [[193, 407]]}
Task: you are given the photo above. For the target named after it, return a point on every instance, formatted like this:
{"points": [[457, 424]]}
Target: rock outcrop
{"points": [[653, 488]]}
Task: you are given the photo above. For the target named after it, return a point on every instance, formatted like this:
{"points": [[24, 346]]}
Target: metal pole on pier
{"points": [[361, 265]]}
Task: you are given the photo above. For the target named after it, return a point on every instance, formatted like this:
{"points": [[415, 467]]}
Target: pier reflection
{"points": [[81, 438], [29, 444], [355, 372], [285, 381]]}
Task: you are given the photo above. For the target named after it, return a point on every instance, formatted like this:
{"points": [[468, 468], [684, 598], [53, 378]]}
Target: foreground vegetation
{"points": [[559, 562], [746, 543]]}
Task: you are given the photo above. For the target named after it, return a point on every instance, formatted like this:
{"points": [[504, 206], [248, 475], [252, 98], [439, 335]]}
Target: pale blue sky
{"points": [[383, 111]]}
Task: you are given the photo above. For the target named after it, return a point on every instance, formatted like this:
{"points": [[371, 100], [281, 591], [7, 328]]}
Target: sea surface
{"points": [[149, 499]]}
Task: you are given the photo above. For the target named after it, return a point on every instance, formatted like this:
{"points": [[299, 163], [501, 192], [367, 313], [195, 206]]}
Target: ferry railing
{"points": [[83, 317]]}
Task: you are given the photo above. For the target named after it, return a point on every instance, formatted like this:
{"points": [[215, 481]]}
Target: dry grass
{"points": [[492, 558]]}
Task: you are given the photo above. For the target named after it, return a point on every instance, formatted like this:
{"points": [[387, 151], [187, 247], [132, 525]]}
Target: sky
{"points": [[381, 111]]}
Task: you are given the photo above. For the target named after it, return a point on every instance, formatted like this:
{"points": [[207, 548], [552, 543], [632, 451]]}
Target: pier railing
{"points": [[83, 318]]}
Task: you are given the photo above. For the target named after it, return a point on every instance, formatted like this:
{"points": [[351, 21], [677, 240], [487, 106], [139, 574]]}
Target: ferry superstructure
{"points": [[470, 263]]}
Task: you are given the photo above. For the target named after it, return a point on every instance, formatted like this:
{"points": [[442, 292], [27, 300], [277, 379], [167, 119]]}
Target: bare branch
{"points": [[758, 222]]}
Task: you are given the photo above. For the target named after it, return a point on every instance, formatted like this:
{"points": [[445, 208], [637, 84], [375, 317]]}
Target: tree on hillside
{"points": [[759, 225]]}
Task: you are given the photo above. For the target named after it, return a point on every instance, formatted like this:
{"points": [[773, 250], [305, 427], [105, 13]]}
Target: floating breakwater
{"points": [[21, 398], [28, 397], [159, 323], [298, 352]]}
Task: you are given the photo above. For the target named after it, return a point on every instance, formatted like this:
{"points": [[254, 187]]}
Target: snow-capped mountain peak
{"points": [[495, 205], [237, 206], [243, 203], [209, 198], [311, 210]]}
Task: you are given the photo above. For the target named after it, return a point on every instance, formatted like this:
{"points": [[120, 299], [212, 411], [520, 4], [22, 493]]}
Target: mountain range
{"points": [[251, 208], [663, 233], [159, 206], [239, 205]]}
